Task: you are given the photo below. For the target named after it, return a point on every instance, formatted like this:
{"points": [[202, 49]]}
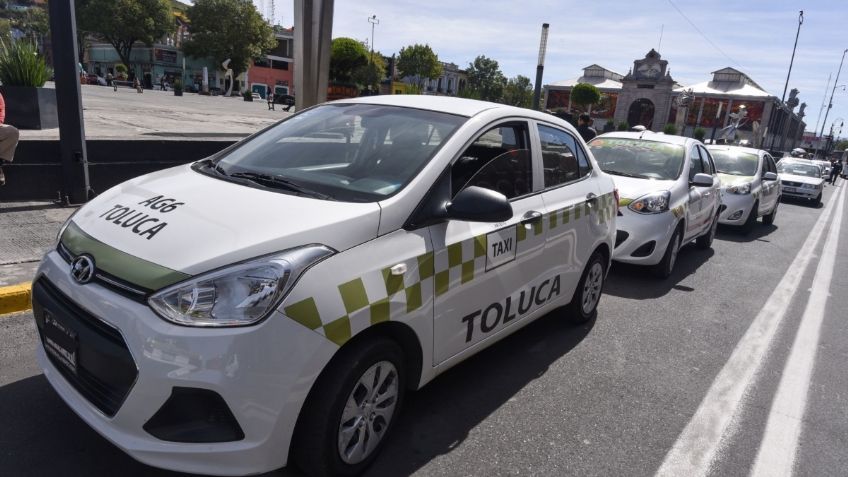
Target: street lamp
{"points": [[780, 126], [832, 92], [373, 20], [540, 65]]}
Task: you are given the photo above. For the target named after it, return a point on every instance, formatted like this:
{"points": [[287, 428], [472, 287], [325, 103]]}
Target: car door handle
{"points": [[530, 218], [591, 198]]}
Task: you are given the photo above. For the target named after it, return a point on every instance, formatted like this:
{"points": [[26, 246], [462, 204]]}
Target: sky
{"points": [[754, 36]]}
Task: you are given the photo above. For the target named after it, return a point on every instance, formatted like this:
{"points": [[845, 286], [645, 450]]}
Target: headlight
{"points": [[240, 294], [809, 186], [651, 203], [740, 188], [65, 225]]}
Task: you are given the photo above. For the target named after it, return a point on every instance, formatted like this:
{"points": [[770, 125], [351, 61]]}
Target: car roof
{"points": [[649, 136], [444, 104]]}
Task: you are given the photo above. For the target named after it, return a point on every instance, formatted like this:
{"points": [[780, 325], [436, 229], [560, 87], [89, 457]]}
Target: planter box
{"points": [[28, 107], [178, 92]]}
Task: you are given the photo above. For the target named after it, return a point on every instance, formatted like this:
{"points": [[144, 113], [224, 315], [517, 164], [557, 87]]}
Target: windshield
{"points": [[799, 169], [737, 163], [347, 152], [638, 157]]}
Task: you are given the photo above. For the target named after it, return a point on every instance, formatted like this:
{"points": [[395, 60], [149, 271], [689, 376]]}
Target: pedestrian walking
{"points": [[271, 101], [586, 131], [8, 140], [835, 170], [162, 83], [109, 79], [138, 88]]}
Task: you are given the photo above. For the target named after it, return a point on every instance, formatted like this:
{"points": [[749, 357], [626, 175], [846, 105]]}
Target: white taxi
{"points": [[749, 185], [669, 195], [272, 304], [801, 179]]}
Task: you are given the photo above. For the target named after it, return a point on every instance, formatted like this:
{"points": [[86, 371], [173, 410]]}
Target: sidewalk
{"points": [[27, 231]]}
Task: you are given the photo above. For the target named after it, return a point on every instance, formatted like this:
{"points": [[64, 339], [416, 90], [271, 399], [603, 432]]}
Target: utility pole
{"points": [[63, 30], [830, 103], [824, 101], [313, 24], [373, 21], [540, 66], [782, 126]]}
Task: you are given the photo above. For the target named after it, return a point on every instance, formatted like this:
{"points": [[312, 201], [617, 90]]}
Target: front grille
{"points": [[105, 370], [791, 183], [122, 287]]}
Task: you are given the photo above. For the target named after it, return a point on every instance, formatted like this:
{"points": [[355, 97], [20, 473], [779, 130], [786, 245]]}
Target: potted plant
{"points": [[23, 73], [178, 87], [121, 72], [623, 126], [247, 95], [670, 129], [699, 133]]}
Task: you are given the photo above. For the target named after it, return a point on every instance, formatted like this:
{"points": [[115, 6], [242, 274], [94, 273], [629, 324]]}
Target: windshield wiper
{"points": [[275, 182], [625, 174]]}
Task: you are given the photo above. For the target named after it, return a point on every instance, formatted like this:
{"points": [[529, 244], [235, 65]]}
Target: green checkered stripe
{"points": [[381, 296]]}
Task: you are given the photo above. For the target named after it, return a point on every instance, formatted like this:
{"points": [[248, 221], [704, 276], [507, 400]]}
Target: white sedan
{"points": [[801, 179], [749, 185]]}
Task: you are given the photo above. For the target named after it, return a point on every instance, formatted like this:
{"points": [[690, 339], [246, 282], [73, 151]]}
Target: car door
{"points": [[710, 196], [573, 203], [771, 189], [487, 275], [693, 212]]}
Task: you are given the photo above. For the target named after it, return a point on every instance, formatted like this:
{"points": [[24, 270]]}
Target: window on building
{"points": [[279, 65], [262, 62]]}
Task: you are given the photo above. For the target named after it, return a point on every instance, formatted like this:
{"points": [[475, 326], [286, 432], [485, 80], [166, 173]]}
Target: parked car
{"points": [[669, 195], [801, 179], [749, 185], [823, 165], [286, 293]]}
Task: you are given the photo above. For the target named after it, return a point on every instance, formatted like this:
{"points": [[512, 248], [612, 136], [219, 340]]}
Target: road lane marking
{"points": [[776, 456], [697, 446]]}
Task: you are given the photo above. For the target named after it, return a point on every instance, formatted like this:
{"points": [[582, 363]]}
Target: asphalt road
{"points": [[614, 397]]}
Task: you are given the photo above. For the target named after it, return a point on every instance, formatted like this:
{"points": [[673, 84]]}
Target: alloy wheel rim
{"points": [[368, 411], [592, 287]]}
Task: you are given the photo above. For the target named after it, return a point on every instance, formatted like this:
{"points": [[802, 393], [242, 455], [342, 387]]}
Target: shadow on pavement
{"points": [[436, 419], [799, 201], [637, 282], [737, 234]]}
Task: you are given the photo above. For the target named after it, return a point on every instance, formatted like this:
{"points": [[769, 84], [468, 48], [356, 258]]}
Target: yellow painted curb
{"points": [[15, 298]]}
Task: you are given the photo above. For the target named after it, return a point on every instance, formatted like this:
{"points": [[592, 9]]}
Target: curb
{"points": [[15, 298]]}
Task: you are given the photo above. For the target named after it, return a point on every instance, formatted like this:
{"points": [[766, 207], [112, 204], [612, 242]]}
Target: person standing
{"points": [[8, 140], [586, 131], [835, 170], [162, 83], [271, 101]]}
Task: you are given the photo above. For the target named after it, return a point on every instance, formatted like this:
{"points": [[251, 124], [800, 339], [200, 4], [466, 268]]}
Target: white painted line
{"points": [[776, 456], [697, 446]]}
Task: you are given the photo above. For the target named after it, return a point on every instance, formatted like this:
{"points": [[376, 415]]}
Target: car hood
{"points": [[209, 223], [631, 188], [801, 179], [732, 179]]}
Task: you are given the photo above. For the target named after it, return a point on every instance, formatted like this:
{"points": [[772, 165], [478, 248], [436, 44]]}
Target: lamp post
{"points": [[373, 20], [830, 103], [780, 126], [540, 66]]}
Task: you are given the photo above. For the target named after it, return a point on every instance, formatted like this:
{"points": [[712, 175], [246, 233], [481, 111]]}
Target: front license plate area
{"points": [[61, 341], [789, 189]]}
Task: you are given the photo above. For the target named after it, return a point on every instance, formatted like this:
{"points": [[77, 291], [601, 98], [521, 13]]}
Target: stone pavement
{"points": [[27, 231]]}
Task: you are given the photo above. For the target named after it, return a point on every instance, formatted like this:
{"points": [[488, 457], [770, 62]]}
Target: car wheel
{"points": [[350, 410], [769, 219], [705, 241], [666, 265], [817, 202], [584, 304], [751, 221]]}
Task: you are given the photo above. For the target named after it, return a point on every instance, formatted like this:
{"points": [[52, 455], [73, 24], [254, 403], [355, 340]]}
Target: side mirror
{"points": [[476, 204], [702, 180], [769, 176]]}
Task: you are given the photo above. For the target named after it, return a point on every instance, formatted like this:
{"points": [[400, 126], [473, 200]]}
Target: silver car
{"points": [[801, 179], [749, 185], [669, 195]]}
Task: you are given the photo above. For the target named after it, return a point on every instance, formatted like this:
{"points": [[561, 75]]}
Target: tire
{"points": [[584, 304], [769, 219], [751, 221], [817, 201], [317, 443], [705, 242], [666, 265]]}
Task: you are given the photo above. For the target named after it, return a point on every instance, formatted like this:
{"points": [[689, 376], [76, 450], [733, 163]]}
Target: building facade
{"points": [[648, 95], [274, 70]]}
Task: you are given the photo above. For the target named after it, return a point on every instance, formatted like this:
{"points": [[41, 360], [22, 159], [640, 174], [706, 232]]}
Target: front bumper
{"points": [[790, 191], [641, 230], [737, 208], [263, 373]]}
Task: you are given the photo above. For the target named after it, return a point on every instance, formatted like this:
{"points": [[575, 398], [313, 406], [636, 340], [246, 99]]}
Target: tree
{"points": [[371, 73], [485, 77], [841, 145], [228, 29], [347, 57], [419, 62], [585, 95], [518, 92], [121, 23]]}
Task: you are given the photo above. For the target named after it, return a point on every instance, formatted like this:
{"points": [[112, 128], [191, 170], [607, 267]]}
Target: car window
{"points": [[347, 152], [563, 160], [498, 160], [707, 159], [770, 163], [799, 169], [640, 158], [735, 162], [695, 164]]}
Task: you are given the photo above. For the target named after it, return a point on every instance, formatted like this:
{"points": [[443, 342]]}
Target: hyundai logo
{"points": [[82, 269]]}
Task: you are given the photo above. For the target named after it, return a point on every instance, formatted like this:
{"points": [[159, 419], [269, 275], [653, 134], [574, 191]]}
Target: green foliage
{"points": [[469, 93], [420, 62], [123, 22], [5, 30], [347, 58], [584, 94], [121, 69], [623, 126], [841, 145], [247, 95], [484, 75], [228, 29], [178, 84], [518, 92], [609, 126], [21, 65], [670, 129], [699, 134], [370, 74]]}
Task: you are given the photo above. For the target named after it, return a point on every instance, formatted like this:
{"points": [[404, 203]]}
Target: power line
{"points": [[703, 34]]}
